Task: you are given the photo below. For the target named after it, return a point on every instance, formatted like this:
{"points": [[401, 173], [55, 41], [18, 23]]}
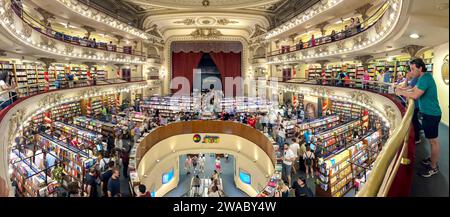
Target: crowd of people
{"points": [[82, 41], [355, 27]]}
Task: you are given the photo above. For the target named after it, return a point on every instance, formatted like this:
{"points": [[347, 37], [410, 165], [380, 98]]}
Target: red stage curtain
{"points": [[229, 65], [183, 65]]}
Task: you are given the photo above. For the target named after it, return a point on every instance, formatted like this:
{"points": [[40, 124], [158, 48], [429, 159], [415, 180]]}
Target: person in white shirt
{"points": [[202, 163], [281, 137], [295, 148], [272, 122], [265, 122], [288, 159]]}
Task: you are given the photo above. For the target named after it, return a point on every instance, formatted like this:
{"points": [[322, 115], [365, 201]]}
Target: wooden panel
{"points": [[192, 127]]}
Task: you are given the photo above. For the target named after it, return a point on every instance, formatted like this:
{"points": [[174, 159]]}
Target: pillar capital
{"points": [[363, 10], [364, 59], [322, 62], [322, 26], [119, 38], [45, 14], [412, 50], [47, 62], [89, 30], [89, 64]]}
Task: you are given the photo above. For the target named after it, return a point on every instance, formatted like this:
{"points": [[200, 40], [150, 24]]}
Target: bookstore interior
{"points": [[328, 98]]}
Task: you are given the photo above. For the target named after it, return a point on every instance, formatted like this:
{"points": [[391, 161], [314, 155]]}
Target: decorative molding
{"points": [[206, 33], [390, 115], [362, 97], [27, 30], [225, 21], [69, 48], [323, 90], [412, 50], [14, 123], [187, 21], [49, 99], [205, 3]]}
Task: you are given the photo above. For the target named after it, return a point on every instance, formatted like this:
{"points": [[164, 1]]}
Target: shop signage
{"points": [[207, 139]]}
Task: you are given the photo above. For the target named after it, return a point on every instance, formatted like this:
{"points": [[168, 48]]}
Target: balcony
{"points": [[31, 33], [374, 31], [91, 15]]}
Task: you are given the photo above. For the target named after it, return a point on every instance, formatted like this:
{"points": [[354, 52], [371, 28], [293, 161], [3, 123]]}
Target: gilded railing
{"points": [[388, 162]]}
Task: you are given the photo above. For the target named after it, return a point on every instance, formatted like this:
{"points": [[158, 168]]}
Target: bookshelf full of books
{"points": [[75, 160], [330, 140], [314, 72], [346, 110]]}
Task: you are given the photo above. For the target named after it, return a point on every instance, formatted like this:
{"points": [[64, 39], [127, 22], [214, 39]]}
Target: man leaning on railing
{"points": [[425, 92]]}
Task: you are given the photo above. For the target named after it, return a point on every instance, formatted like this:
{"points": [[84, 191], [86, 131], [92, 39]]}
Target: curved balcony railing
{"points": [[316, 9], [394, 156], [46, 30], [373, 31], [95, 13], [10, 96], [28, 31], [339, 36]]}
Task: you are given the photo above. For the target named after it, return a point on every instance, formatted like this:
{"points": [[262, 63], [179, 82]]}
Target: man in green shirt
{"points": [[425, 93]]}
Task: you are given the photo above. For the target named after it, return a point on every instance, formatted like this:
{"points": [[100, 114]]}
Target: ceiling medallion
{"points": [[205, 3], [206, 33], [225, 21], [204, 21]]}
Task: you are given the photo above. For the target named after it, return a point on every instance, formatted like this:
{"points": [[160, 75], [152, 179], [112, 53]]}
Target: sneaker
{"points": [[418, 141], [426, 162], [428, 172]]}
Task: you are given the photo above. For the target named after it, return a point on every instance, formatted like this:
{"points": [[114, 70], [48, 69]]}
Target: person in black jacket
{"points": [[105, 178], [301, 189]]}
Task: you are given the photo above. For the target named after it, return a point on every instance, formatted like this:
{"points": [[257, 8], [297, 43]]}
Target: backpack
{"points": [[105, 166]]}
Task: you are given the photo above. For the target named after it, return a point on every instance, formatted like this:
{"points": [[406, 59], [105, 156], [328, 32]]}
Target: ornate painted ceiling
{"points": [[163, 17]]}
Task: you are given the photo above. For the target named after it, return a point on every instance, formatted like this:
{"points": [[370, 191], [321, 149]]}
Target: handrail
{"points": [[15, 93], [392, 147], [387, 164], [49, 32], [377, 14]]}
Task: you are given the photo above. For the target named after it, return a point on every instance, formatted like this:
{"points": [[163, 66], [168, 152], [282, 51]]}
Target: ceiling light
{"points": [[414, 36]]}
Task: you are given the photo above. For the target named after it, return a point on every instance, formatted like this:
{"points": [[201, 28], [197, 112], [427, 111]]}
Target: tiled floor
{"points": [[227, 177]]}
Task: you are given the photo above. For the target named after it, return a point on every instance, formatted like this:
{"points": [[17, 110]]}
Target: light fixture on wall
{"points": [[414, 36]]}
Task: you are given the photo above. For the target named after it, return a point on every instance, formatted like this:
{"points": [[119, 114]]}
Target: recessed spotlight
{"points": [[414, 36]]}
